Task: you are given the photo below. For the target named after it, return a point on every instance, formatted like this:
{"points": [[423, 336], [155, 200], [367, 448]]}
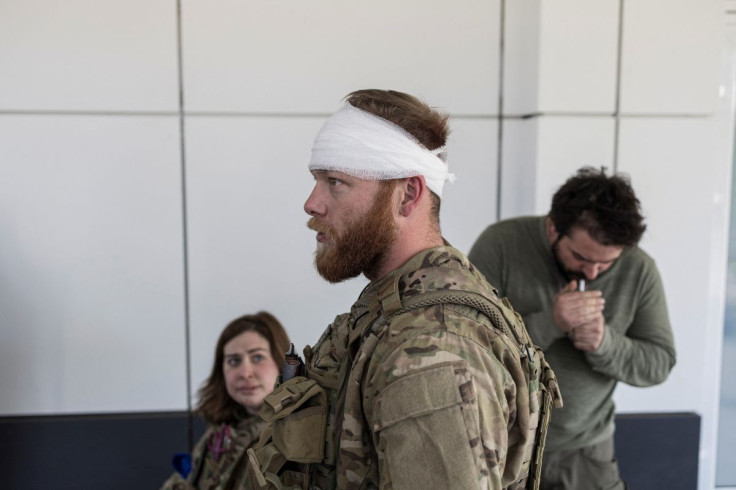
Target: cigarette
{"points": [[581, 284]]}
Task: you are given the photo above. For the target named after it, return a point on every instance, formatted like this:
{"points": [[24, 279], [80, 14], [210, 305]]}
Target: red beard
{"points": [[363, 245]]}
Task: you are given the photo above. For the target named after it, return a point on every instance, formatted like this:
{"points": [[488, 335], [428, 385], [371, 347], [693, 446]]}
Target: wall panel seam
{"points": [[185, 228]]}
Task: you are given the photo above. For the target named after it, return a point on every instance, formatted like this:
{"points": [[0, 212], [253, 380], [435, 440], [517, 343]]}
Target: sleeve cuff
{"points": [[606, 348]]}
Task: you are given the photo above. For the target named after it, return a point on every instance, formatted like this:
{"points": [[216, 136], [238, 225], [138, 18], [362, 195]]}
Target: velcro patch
{"points": [[417, 393]]}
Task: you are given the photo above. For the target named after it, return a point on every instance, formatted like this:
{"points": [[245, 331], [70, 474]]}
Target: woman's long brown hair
{"points": [[215, 405]]}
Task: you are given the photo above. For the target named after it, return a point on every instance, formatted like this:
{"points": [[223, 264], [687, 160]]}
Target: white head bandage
{"points": [[369, 147]]}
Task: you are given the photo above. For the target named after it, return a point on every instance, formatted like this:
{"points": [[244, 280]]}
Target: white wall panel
{"points": [[670, 56], [469, 204], [565, 145], [286, 57], [90, 265], [659, 155], [249, 246], [522, 46], [519, 167], [577, 67], [682, 188], [561, 56], [539, 154], [116, 55]]}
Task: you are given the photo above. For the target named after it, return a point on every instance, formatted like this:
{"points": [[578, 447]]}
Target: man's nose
{"points": [[314, 204], [591, 271]]}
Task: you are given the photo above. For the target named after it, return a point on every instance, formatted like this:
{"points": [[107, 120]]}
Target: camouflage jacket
{"points": [[218, 459], [420, 393]]}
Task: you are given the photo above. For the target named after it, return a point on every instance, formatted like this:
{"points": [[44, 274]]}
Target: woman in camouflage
{"points": [[248, 358]]}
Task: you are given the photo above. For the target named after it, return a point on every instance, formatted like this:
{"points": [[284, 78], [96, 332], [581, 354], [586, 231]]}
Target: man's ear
{"points": [[413, 190]]}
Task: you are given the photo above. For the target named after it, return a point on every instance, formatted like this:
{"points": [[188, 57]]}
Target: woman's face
{"points": [[249, 369]]}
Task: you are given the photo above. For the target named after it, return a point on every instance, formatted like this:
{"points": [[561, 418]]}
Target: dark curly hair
{"points": [[605, 206], [215, 405]]}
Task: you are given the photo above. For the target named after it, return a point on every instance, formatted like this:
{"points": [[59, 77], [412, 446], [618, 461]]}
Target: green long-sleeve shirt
{"points": [[637, 348]]}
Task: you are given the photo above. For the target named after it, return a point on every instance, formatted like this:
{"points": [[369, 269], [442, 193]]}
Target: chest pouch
{"points": [[297, 412]]}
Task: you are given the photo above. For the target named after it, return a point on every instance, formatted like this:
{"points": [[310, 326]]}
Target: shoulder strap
{"points": [[495, 312]]}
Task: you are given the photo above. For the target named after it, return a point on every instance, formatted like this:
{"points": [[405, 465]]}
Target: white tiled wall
{"points": [[578, 62], [91, 259], [565, 145], [469, 202], [683, 208], [85, 55], [521, 66], [518, 167], [541, 153], [561, 56], [670, 58], [303, 57]]}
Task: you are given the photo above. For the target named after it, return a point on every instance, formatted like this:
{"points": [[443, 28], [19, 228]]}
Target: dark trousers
{"points": [[589, 468]]}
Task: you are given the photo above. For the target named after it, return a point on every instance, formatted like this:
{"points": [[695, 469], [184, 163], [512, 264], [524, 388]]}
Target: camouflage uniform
{"points": [[421, 396], [223, 472]]}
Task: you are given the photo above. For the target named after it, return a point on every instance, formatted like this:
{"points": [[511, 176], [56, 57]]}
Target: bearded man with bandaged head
{"points": [[430, 380]]}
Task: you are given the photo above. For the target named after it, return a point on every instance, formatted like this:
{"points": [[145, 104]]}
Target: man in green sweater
{"points": [[615, 329]]}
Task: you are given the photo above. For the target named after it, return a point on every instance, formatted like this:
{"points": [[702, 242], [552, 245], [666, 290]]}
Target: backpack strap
{"points": [[390, 298], [467, 298]]}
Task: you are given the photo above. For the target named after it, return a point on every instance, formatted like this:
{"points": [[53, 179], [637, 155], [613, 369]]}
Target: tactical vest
{"points": [[297, 451], [219, 458]]}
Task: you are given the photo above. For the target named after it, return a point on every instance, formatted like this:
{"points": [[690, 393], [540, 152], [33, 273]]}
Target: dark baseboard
{"points": [[133, 451], [658, 450], [100, 451]]}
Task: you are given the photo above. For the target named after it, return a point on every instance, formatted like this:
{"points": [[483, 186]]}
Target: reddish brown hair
{"points": [[426, 124]]}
